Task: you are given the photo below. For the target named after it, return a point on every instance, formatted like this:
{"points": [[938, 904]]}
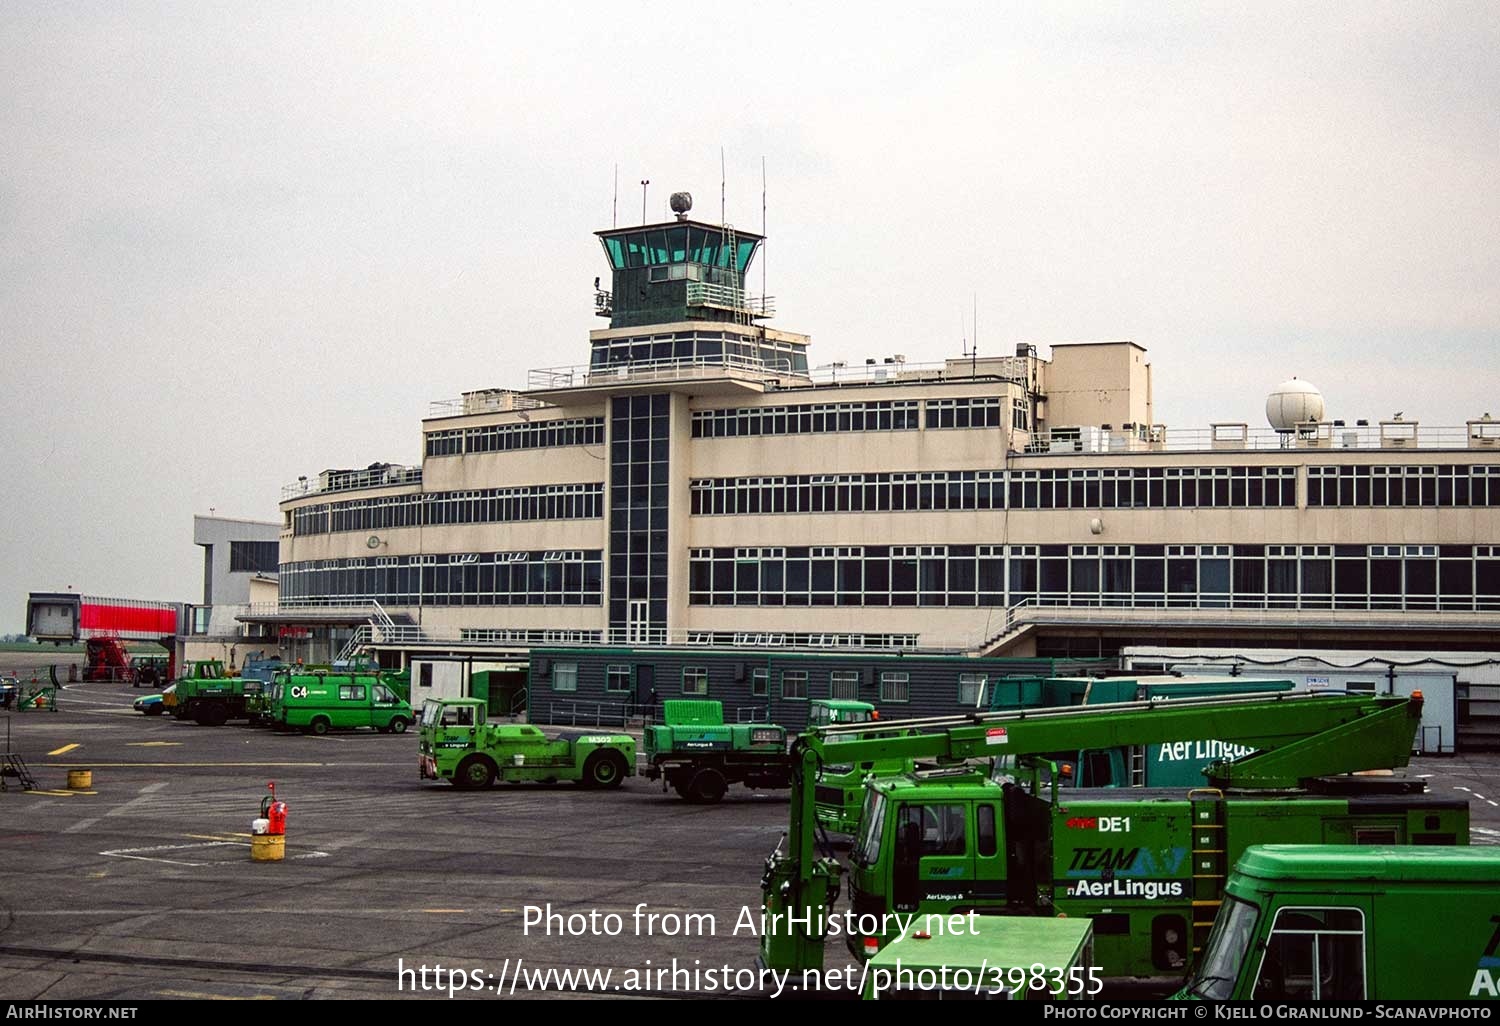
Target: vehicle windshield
{"points": [[430, 713], [1227, 943], [871, 822]]}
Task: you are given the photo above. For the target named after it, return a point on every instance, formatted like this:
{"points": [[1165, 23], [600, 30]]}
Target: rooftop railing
{"points": [[351, 480], [1393, 435], [636, 371]]}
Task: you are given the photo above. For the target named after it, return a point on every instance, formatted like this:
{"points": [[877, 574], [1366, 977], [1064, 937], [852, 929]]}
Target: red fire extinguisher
{"points": [[273, 812]]}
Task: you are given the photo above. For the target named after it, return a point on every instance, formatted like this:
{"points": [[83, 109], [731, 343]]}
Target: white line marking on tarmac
{"points": [[84, 824], [133, 853], [1460, 787]]}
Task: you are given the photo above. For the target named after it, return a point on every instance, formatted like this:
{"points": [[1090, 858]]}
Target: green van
{"points": [[316, 703]]}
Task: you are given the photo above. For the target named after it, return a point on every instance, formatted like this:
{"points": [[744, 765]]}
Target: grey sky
{"points": [[247, 242]]}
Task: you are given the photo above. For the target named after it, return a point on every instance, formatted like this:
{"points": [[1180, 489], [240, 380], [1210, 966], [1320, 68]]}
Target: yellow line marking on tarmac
{"points": [[98, 876], [52, 794], [211, 837], [152, 744], [64, 750], [158, 765], [443, 911], [202, 996]]}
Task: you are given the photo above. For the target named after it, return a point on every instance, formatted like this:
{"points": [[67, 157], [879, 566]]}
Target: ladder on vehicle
{"points": [[1210, 858]]}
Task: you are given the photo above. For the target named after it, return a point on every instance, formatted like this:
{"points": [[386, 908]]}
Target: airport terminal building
{"points": [[702, 481]]}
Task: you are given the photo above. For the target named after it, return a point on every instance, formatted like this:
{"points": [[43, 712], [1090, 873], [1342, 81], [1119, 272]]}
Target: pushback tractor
{"points": [[459, 745]]}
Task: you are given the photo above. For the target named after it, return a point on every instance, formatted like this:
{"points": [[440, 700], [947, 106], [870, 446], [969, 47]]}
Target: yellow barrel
{"points": [[267, 847], [80, 780]]}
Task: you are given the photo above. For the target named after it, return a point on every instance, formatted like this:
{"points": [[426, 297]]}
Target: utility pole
{"points": [[644, 182]]}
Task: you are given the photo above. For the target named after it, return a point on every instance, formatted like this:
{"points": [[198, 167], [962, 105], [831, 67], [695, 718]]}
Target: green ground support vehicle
{"points": [[1341, 923], [460, 746], [316, 703], [149, 671], [988, 958], [700, 755], [210, 698], [1148, 865]]}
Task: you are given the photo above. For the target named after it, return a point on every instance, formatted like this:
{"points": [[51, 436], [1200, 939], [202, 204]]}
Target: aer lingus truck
{"points": [[1339, 923], [1147, 865]]}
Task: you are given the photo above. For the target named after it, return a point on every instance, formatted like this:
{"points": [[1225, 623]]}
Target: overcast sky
{"points": [[244, 242]]}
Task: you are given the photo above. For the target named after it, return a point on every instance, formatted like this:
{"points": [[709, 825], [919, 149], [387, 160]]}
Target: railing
{"points": [[728, 297], [320, 608], [588, 714], [873, 372], [491, 400], [726, 366], [1392, 435], [352, 480]]}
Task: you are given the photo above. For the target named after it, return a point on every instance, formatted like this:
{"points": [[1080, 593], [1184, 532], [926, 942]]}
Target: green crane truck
{"points": [[458, 745], [1148, 865], [1340, 923], [318, 702]]}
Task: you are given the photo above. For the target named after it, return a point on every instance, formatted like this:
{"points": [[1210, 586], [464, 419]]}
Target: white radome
{"points": [[1293, 402]]}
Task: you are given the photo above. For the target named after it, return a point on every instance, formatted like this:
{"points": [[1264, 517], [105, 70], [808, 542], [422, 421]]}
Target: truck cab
{"points": [[1143, 862], [460, 745], [1344, 923]]}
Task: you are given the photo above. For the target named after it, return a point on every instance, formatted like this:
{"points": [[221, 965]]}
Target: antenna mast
{"points": [[763, 229], [614, 207], [723, 188], [644, 182]]}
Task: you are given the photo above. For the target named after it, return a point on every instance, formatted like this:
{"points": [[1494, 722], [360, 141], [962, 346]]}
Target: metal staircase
{"points": [[12, 765], [381, 625]]}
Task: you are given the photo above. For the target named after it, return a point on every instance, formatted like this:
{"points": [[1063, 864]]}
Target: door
{"points": [[933, 855], [645, 689], [638, 622]]}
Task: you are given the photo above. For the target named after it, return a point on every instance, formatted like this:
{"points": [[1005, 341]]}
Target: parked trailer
{"points": [[1340, 923]]}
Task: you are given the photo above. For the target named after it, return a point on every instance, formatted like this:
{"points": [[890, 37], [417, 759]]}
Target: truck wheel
{"points": [[604, 770], [398, 725], [707, 787], [475, 771], [319, 725]]}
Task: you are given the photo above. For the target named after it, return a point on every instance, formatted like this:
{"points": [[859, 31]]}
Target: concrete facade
{"points": [[1025, 504]]}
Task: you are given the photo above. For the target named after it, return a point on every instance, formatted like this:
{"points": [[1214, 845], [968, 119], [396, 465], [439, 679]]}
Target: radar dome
{"points": [[681, 202], [1293, 402]]}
